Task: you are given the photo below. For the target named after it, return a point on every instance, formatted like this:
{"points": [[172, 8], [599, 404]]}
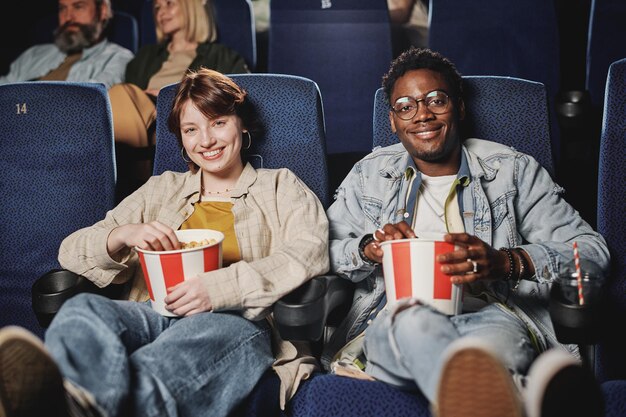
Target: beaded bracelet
{"points": [[366, 240], [523, 266], [511, 263]]}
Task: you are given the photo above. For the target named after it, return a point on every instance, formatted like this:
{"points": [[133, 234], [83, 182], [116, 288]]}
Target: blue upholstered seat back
{"points": [[507, 110], [614, 398], [612, 219], [345, 47], [124, 30], [147, 29], [235, 28], [507, 38], [605, 44], [57, 174], [290, 111]]}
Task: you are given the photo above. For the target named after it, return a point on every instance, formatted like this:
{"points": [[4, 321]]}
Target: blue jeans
{"points": [[405, 350], [135, 361]]}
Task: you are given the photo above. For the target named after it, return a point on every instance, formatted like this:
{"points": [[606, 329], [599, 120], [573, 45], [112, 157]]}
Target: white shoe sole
{"points": [[474, 383], [558, 386], [30, 382]]}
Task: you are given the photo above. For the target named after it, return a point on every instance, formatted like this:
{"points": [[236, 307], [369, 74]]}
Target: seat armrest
{"points": [[53, 288], [303, 313]]}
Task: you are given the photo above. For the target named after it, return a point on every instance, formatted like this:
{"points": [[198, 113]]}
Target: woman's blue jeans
{"points": [[136, 362], [406, 349]]}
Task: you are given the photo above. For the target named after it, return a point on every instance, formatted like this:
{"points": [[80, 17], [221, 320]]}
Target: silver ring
{"points": [[474, 264]]}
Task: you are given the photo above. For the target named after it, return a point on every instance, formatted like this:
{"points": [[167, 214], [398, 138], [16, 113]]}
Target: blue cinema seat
{"points": [[610, 358], [614, 398], [507, 38], [344, 46], [147, 29], [57, 174], [123, 29], [236, 29], [607, 30]]}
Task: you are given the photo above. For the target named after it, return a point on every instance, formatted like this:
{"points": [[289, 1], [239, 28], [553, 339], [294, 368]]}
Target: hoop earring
{"points": [[182, 155], [249, 141]]}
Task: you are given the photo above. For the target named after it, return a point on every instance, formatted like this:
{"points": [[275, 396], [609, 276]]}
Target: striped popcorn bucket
{"points": [[411, 271], [165, 269]]}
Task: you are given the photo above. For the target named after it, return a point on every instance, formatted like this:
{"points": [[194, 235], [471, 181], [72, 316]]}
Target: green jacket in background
{"points": [[215, 56]]}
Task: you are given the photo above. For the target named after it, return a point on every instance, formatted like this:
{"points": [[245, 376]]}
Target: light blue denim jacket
{"points": [[104, 62], [510, 201]]}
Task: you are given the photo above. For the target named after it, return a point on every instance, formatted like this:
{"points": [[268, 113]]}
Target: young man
{"points": [[80, 51], [513, 230]]}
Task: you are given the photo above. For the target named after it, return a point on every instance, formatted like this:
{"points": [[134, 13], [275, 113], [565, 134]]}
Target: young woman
{"points": [[121, 357]]}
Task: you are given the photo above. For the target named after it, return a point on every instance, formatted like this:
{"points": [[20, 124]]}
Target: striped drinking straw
{"points": [[579, 275]]}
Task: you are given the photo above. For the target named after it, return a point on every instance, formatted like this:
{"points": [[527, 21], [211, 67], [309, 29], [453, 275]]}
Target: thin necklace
{"points": [[204, 192], [439, 210]]}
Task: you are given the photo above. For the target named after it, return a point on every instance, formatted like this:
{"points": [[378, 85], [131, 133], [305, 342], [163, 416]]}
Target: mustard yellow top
{"points": [[217, 215]]}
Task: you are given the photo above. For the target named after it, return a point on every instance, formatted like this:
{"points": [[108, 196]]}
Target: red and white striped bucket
{"points": [[411, 270], [165, 269]]}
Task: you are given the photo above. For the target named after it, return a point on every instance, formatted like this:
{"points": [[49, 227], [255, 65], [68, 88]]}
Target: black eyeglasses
{"points": [[436, 102]]}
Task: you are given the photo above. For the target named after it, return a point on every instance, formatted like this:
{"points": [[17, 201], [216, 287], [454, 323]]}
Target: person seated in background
{"points": [[118, 358], [80, 52], [186, 40], [512, 230]]}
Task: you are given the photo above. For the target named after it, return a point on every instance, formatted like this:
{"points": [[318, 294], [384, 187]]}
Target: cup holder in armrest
{"points": [[302, 314], [574, 323], [52, 289], [55, 287]]}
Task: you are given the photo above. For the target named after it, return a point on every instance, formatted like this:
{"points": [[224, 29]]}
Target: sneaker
{"points": [[80, 403], [559, 386], [30, 381], [474, 383]]}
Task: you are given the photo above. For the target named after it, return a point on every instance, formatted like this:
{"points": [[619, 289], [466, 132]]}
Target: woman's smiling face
{"points": [[214, 144]]}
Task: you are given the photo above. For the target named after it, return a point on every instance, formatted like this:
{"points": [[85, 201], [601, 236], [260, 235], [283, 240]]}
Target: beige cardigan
{"points": [[282, 231]]}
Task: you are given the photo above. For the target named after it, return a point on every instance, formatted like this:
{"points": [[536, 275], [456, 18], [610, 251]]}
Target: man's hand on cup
{"points": [[388, 232], [472, 260]]}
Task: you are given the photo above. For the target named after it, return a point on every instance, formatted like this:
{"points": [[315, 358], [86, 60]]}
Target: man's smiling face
{"points": [[432, 140]]}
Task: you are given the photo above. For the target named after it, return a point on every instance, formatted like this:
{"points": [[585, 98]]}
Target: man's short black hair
{"points": [[422, 58]]}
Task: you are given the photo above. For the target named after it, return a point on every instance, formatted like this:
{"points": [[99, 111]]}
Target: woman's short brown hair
{"points": [[214, 95]]}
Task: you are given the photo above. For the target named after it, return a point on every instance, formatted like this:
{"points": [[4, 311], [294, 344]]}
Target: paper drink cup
{"points": [[411, 270], [165, 269]]}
